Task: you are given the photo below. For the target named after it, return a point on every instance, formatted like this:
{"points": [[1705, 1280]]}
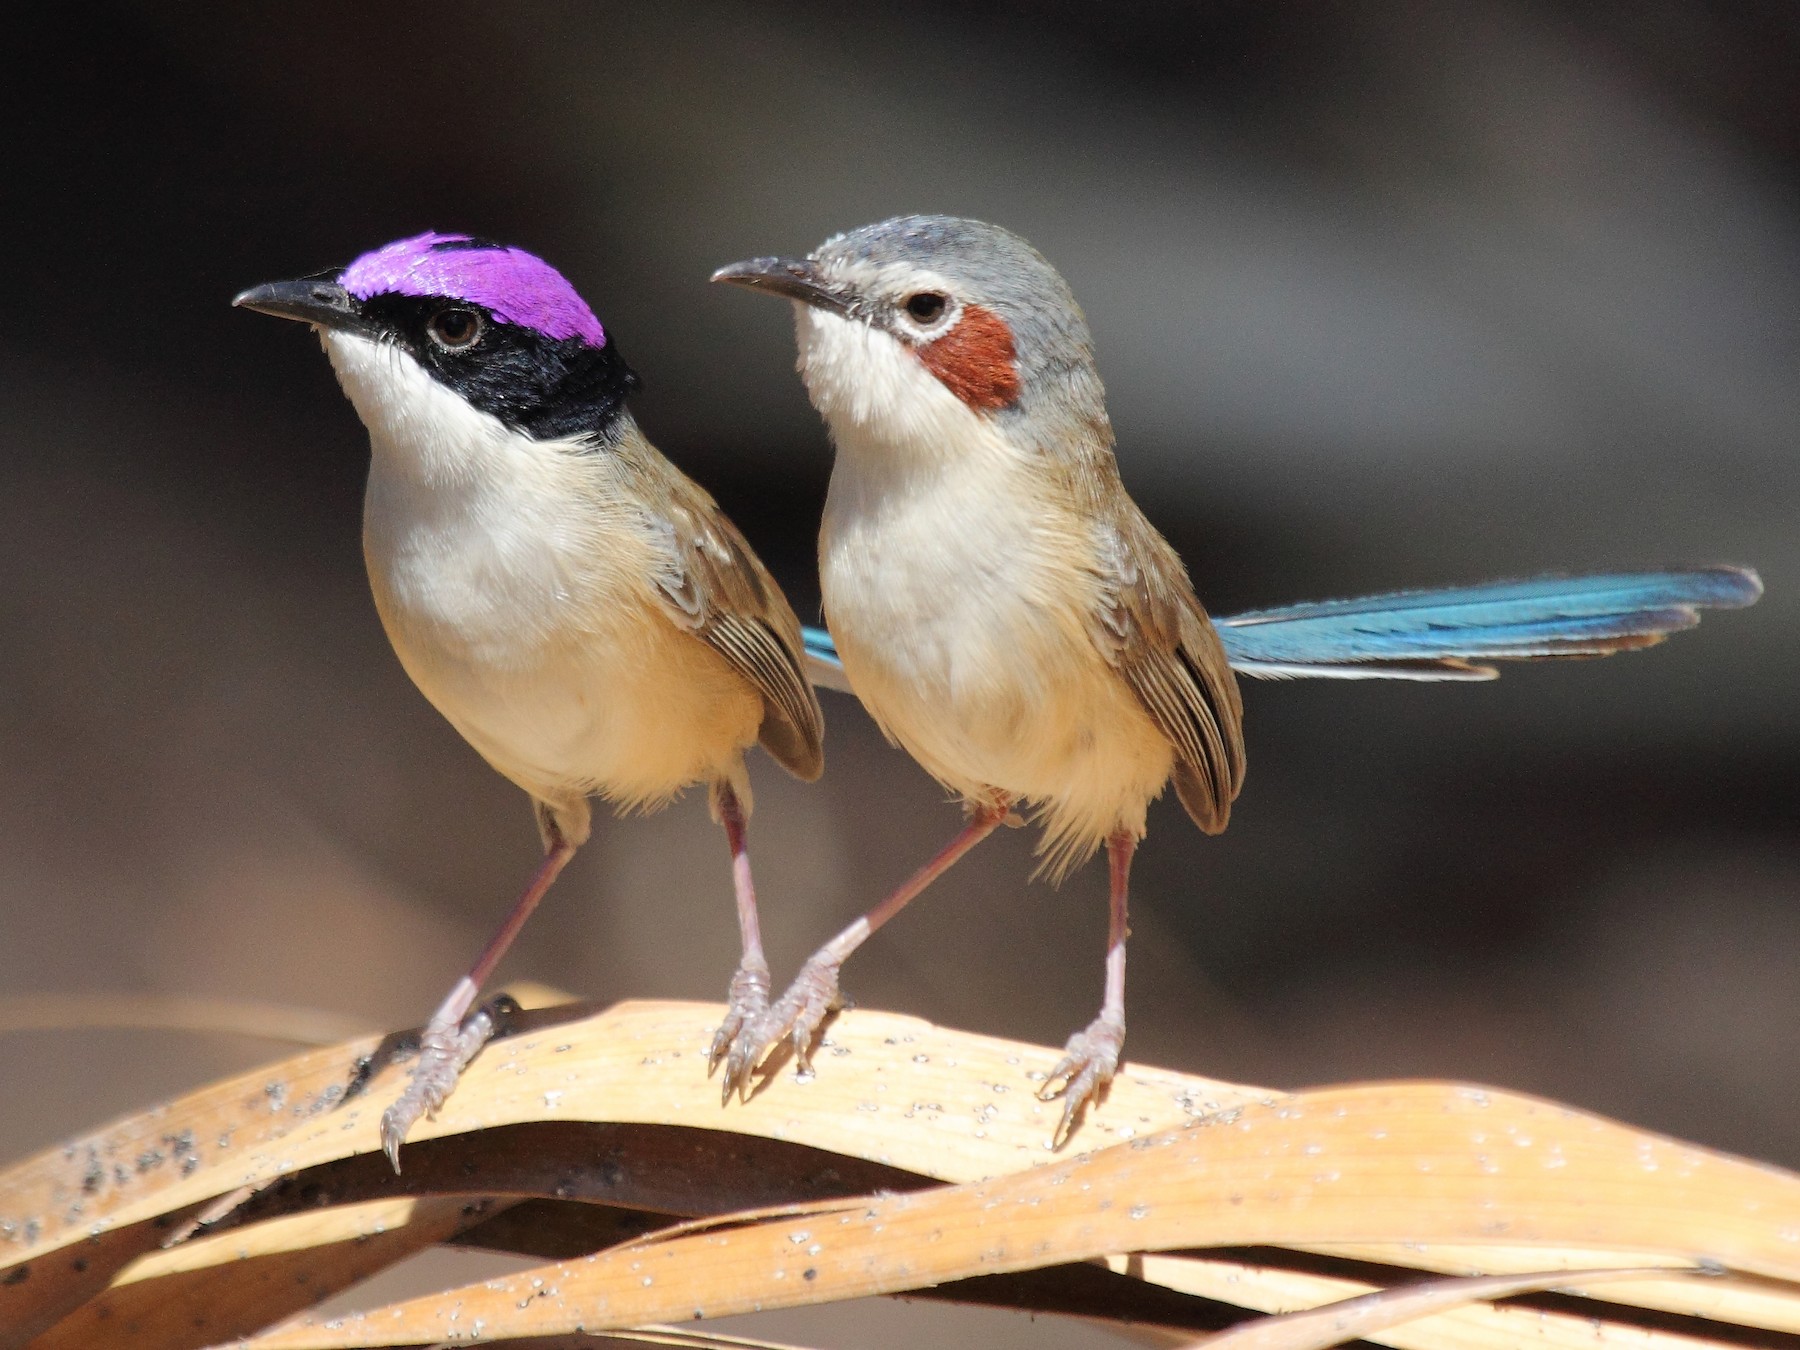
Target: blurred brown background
{"points": [[1385, 295]]}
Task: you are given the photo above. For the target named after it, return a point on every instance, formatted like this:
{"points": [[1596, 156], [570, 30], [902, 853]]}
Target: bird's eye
{"points": [[455, 329], [927, 307]]}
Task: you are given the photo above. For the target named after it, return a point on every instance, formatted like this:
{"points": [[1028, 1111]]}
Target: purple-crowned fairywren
{"points": [[580, 610]]}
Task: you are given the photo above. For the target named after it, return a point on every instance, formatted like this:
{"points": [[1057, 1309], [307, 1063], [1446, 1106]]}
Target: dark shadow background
{"points": [[1385, 295]]}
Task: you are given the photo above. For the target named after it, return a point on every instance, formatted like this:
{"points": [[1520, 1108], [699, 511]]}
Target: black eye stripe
{"points": [[545, 387]]}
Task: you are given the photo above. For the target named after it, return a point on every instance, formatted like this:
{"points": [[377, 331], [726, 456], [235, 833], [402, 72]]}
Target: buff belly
{"points": [[950, 638], [633, 716]]}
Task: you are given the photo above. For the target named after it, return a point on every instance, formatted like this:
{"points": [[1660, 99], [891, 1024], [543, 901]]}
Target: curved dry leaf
{"points": [[1385, 1163], [1724, 1299], [219, 1287], [968, 1112], [896, 1101], [36, 1294], [1476, 1326], [890, 1089], [680, 1337], [1383, 1309]]}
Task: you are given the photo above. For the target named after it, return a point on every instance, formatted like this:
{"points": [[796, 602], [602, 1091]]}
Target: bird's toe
{"points": [[795, 1017], [1089, 1062], [747, 1001], [444, 1052]]}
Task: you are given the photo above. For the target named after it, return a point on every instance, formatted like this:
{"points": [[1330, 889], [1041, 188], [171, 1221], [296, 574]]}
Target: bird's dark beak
{"points": [[796, 278], [325, 304]]}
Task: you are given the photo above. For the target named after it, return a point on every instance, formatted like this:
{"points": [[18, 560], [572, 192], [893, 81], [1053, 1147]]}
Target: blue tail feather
{"points": [[1606, 592], [1447, 634], [822, 665]]}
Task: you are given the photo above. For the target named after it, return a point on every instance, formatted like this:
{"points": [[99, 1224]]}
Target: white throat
{"points": [[469, 527], [877, 396], [418, 427]]}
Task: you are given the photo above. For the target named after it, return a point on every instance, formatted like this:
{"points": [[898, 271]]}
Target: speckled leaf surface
{"points": [[915, 1158]]}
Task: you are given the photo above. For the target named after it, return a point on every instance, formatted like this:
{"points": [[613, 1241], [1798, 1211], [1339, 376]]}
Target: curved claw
{"points": [[1089, 1062], [748, 1000], [796, 1017], [444, 1052], [396, 1121]]}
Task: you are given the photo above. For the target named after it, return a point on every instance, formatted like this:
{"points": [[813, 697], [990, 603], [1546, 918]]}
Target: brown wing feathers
{"points": [[1151, 627], [793, 727], [733, 604], [1164, 646]]}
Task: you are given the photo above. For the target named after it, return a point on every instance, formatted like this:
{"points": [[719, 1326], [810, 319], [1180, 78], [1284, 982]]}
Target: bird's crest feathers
{"points": [[516, 287]]}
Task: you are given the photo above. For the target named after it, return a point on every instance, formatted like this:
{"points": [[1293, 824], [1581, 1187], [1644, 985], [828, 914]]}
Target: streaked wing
{"points": [[1153, 631], [717, 586]]}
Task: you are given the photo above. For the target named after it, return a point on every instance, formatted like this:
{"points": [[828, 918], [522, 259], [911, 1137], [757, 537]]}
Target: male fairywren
{"points": [[580, 610], [1013, 621]]}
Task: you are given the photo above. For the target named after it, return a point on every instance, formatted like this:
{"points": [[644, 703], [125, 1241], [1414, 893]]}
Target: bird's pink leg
{"points": [[1091, 1057], [798, 1013], [749, 997], [449, 1042]]}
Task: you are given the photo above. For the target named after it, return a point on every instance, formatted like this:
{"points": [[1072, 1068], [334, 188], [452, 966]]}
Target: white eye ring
{"points": [[455, 328], [927, 312]]}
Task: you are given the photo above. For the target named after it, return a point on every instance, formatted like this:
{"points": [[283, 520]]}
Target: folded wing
{"points": [[715, 585]]}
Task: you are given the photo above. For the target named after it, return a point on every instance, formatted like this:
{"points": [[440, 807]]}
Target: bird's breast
{"points": [[523, 606], [960, 603]]}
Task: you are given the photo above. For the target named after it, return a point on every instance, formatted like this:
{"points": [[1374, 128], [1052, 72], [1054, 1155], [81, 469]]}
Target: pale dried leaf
{"points": [[1725, 1299], [1387, 1163], [230, 1285], [1420, 1176], [1478, 1326], [894, 1090], [1383, 1309]]}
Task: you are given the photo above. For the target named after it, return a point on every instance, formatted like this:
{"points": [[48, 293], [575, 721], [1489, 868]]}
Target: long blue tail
{"points": [[1450, 634]]}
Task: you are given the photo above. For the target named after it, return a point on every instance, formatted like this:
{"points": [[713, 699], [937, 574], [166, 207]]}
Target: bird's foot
{"points": [[796, 1017], [445, 1050], [1089, 1062], [748, 1000]]}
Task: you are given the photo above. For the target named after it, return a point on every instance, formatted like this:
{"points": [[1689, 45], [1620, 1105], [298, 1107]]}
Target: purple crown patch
{"points": [[515, 286]]}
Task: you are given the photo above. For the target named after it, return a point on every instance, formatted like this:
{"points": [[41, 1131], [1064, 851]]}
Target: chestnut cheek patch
{"points": [[974, 360]]}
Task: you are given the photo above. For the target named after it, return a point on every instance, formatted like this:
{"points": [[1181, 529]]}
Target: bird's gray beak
{"points": [[796, 278], [325, 304]]}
